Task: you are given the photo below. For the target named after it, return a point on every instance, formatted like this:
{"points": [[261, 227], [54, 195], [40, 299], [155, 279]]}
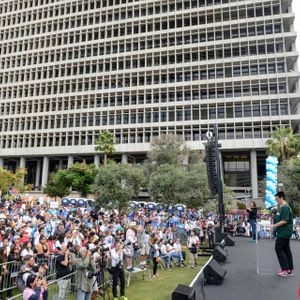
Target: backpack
{"points": [[20, 282]]}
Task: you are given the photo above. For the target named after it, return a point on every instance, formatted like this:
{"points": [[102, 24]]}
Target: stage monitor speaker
{"points": [[184, 292], [221, 244], [229, 241], [219, 254], [214, 273]]}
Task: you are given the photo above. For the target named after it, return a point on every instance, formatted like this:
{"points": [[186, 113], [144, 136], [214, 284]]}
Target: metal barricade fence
{"points": [[9, 281], [8, 277], [59, 289], [50, 261]]}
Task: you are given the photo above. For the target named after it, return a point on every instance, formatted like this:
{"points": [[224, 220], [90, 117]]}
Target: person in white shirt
{"points": [[173, 252], [178, 251], [193, 244], [108, 240], [77, 238], [132, 239], [164, 254], [117, 256]]}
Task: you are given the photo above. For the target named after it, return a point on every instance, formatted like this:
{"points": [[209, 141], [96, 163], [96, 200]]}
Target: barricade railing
{"points": [[9, 274], [8, 279], [59, 289]]}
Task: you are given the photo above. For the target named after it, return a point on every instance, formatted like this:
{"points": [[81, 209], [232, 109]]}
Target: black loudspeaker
{"points": [[214, 273], [219, 235], [229, 241], [184, 292], [219, 254], [211, 166], [221, 244]]}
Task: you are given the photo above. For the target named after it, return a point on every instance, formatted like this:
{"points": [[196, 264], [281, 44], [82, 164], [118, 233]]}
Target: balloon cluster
{"points": [[271, 186]]}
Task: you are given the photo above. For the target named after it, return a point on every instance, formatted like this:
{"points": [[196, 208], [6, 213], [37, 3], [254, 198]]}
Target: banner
{"points": [[271, 184]]}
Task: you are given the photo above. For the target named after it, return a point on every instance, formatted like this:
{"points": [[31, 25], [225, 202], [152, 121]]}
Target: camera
{"points": [[136, 247], [91, 274]]}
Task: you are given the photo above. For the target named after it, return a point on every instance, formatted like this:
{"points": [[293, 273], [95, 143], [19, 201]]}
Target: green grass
{"points": [[161, 288]]}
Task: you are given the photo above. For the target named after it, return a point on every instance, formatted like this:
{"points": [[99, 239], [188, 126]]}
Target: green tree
{"points": [[165, 183], [167, 149], [173, 184], [79, 177], [136, 178], [116, 184], [289, 176], [56, 186], [105, 144], [228, 197], [195, 190], [284, 143], [175, 173], [10, 179]]}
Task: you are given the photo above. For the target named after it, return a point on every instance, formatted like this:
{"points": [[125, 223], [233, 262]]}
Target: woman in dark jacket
{"points": [[252, 211]]}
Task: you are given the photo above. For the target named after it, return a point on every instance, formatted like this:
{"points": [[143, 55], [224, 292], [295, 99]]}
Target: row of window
{"points": [[162, 58], [167, 23], [12, 6], [117, 14], [150, 96], [76, 86], [111, 48], [141, 135], [212, 91], [155, 115], [150, 77], [37, 41]]}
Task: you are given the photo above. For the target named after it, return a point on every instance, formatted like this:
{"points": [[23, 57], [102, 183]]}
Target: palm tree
{"points": [[105, 144], [284, 143]]}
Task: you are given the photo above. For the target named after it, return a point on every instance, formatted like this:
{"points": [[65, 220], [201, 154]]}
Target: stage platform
{"points": [[242, 281]]}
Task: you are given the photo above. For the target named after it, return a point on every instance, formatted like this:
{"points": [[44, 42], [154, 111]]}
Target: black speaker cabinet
{"points": [[229, 241], [214, 273], [221, 244], [219, 254], [184, 292], [219, 236]]}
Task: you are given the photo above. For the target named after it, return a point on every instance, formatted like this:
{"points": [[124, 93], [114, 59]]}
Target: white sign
{"points": [[53, 205]]}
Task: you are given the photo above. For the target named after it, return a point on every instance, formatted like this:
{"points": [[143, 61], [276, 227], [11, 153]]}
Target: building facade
{"points": [[73, 68]]}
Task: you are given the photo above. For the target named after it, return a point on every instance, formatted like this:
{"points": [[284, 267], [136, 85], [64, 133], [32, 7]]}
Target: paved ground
{"points": [[242, 281]]}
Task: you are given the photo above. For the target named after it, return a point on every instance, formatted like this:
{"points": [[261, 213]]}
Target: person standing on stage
{"points": [[284, 229], [252, 211]]}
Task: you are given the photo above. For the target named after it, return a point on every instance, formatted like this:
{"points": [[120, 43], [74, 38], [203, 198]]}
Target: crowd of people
{"points": [[88, 241], [36, 239]]}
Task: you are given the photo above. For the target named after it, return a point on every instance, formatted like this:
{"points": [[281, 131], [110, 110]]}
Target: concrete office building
{"points": [[70, 69]]}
